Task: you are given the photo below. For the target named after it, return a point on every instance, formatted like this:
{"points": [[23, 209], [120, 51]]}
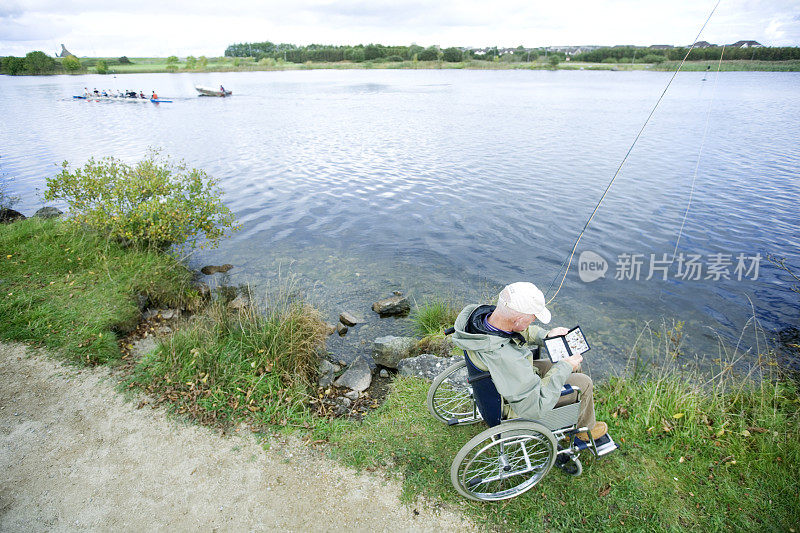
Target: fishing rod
{"points": [[568, 259]]}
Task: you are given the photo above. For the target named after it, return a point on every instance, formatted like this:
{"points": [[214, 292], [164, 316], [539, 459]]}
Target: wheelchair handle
{"points": [[449, 331]]}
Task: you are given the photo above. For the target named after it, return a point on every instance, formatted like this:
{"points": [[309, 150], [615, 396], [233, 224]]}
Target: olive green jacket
{"points": [[509, 362]]}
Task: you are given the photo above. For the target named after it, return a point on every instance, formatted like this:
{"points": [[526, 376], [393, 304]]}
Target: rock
{"points": [[240, 303], [384, 373], [143, 346], [150, 313], [426, 366], [352, 395], [163, 330], [213, 269], [331, 328], [169, 314], [202, 289], [347, 319], [141, 301], [357, 377], [389, 350], [327, 371], [48, 212], [9, 215], [394, 305], [341, 329], [347, 402]]}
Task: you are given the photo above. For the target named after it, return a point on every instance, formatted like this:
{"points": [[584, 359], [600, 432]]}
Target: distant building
{"points": [[746, 44], [65, 52], [703, 44]]}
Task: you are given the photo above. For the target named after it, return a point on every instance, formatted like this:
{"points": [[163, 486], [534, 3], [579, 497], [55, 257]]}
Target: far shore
{"points": [[230, 64]]}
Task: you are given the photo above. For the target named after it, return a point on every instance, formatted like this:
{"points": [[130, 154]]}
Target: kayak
{"points": [[160, 101]]}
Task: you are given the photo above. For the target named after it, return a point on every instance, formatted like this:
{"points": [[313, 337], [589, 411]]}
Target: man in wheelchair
{"points": [[495, 339]]}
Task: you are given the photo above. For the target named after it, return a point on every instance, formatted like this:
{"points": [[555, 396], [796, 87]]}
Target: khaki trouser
{"points": [[586, 417]]}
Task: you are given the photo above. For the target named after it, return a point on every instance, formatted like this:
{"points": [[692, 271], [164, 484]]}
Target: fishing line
{"points": [[568, 259], [699, 154]]}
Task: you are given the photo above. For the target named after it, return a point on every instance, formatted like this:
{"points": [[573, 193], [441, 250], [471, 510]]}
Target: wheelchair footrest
{"points": [[604, 444], [452, 422]]}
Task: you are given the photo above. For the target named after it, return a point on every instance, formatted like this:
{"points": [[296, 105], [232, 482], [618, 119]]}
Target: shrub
{"points": [[101, 67], [452, 55], [429, 54], [124, 60], [191, 62], [13, 65], [202, 62], [155, 202], [39, 63], [653, 58], [554, 61], [610, 60], [394, 59], [172, 63], [71, 63]]}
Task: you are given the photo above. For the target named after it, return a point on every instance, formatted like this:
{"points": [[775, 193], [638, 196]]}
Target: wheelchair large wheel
{"points": [[450, 397], [503, 461]]}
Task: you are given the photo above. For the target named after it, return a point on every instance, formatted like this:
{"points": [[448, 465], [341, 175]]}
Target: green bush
{"points": [[172, 63], [13, 65], [39, 63], [124, 60], [191, 62], [653, 58], [452, 55], [202, 62], [610, 60], [429, 54], [434, 317], [101, 67], [155, 202], [71, 63], [554, 61], [394, 59]]}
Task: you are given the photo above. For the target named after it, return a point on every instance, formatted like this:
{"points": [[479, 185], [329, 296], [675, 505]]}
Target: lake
{"points": [[451, 183]]}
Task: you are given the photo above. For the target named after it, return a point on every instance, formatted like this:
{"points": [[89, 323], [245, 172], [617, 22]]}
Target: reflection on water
{"points": [[455, 182]]}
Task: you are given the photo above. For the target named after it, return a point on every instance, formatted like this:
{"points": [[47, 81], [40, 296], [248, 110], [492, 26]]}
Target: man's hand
{"points": [[575, 361], [555, 332]]}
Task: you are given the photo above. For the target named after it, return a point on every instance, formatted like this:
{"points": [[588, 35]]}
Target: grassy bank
{"points": [[78, 292], [697, 452], [226, 64], [256, 366]]}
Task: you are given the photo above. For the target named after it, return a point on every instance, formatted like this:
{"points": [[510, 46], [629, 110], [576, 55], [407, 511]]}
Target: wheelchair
{"points": [[512, 455]]}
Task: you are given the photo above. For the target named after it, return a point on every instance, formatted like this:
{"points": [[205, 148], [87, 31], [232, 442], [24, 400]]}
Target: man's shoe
{"points": [[599, 429]]}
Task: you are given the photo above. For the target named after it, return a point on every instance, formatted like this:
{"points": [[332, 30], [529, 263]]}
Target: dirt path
{"points": [[75, 456]]}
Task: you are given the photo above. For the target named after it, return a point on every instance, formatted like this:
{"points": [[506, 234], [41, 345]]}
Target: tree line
{"points": [[655, 55], [378, 52]]}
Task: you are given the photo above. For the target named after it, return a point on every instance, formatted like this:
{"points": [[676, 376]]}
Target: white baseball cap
{"points": [[526, 298]]}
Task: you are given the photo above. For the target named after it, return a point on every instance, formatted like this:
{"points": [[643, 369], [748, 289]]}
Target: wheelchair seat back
{"points": [[488, 400]]}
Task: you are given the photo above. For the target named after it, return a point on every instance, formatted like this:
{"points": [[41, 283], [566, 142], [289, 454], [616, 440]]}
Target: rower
{"points": [[154, 96]]}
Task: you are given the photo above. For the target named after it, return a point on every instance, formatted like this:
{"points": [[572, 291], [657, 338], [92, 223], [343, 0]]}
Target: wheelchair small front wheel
{"points": [[572, 467], [450, 397], [504, 461]]}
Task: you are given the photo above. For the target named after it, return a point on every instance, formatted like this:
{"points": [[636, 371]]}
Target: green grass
{"points": [[698, 452], [223, 64], [433, 317], [225, 367], [75, 290]]}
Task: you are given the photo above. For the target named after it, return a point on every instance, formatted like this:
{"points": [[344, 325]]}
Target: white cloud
{"points": [[201, 27]]}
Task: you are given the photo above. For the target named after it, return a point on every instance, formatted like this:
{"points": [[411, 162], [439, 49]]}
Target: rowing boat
{"points": [[209, 91], [124, 99]]}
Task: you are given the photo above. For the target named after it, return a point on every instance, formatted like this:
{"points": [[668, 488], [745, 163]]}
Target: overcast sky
{"points": [[200, 27]]}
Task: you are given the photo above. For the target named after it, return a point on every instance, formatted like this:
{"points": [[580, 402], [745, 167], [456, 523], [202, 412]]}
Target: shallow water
{"points": [[452, 183]]}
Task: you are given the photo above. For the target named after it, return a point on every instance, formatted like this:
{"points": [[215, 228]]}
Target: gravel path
{"points": [[75, 456]]}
